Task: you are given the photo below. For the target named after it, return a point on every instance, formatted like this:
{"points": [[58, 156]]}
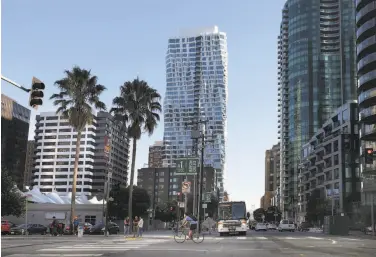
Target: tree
{"points": [[226, 197], [212, 207], [79, 92], [270, 212], [166, 212], [258, 214], [12, 202], [137, 108], [118, 208], [316, 207]]}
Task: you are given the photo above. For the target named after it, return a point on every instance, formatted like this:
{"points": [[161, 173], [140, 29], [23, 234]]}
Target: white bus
{"points": [[232, 218]]}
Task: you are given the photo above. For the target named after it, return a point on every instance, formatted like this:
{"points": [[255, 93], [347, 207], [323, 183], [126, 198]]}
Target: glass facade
{"points": [[196, 77], [366, 56], [320, 75]]}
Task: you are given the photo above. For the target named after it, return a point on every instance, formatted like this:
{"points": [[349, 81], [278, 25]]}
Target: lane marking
{"points": [[316, 238], [84, 250], [241, 237], [261, 237]]}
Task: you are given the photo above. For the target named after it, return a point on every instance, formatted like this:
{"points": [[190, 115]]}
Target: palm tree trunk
{"points": [[131, 184], [73, 200]]}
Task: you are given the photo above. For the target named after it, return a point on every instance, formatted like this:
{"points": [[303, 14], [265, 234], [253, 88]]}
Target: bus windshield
{"points": [[235, 211]]}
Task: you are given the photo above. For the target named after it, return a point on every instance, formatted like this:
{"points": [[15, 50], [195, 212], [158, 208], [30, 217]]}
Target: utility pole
{"points": [[196, 134], [372, 215]]}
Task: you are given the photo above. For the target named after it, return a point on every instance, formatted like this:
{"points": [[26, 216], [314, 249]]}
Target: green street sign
{"points": [[186, 166]]}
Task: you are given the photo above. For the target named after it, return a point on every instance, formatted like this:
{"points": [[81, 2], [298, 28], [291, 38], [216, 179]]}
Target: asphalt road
{"points": [[258, 244]]}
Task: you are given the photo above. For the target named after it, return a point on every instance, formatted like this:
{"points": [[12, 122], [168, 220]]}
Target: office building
{"points": [[163, 185], [272, 174], [317, 74], [29, 162], [55, 147], [15, 120], [196, 77], [109, 132], [266, 200], [366, 53], [155, 155], [330, 162]]}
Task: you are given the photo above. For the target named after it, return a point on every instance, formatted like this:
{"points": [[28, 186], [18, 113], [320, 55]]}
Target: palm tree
{"points": [[137, 108], [79, 93]]}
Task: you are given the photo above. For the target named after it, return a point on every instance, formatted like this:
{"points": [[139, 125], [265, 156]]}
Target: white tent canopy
{"points": [[35, 195]]}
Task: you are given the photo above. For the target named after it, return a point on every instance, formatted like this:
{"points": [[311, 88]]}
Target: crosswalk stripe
{"points": [[105, 245], [261, 237], [84, 249], [241, 238], [57, 255]]}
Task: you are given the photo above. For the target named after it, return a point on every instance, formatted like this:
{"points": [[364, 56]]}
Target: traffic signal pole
{"points": [[15, 84]]}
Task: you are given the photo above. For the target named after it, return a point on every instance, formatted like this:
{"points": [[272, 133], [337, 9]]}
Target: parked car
{"points": [[286, 225], [6, 226], [272, 226], [261, 226], [98, 229], [30, 228], [252, 225], [304, 226]]}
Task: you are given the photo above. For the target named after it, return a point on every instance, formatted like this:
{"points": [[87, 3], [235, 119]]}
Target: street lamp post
{"points": [[26, 198]]}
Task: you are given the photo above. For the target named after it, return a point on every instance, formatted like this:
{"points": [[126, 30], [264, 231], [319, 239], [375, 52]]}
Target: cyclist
{"points": [[192, 223]]}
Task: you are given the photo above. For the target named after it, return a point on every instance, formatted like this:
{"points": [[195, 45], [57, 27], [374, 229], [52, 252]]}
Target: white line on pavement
{"points": [[56, 255], [261, 237], [84, 249], [316, 238], [242, 238]]}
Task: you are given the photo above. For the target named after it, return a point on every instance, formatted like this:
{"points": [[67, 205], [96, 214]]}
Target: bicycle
{"points": [[181, 235]]}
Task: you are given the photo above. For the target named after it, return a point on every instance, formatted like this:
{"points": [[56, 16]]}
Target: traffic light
{"points": [[36, 93], [369, 156]]}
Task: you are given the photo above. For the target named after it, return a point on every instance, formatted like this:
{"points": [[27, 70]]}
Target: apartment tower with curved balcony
{"points": [[317, 74], [366, 57], [196, 77]]}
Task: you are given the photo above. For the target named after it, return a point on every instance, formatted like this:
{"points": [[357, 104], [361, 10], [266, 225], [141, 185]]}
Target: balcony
{"points": [[368, 132], [368, 115], [367, 98]]}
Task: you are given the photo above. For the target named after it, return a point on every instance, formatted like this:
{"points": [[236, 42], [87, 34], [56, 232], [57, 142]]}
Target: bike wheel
{"points": [[180, 237], [197, 238]]}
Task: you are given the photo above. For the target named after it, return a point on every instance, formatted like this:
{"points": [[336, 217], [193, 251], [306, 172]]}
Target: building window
{"points": [[90, 219]]}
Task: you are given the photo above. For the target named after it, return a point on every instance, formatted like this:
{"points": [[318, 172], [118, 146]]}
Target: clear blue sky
{"points": [[119, 40]]}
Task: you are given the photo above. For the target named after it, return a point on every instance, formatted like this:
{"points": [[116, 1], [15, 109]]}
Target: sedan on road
{"points": [[272, 226], [30, 228], [261, 227]]}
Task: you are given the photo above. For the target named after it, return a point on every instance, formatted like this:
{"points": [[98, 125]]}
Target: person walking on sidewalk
{"points": [[135, 226], [140, 227], [126, 226]]}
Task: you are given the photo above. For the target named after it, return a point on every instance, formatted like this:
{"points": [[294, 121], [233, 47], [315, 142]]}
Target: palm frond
{"points": [[79, 91], [138, 106]]}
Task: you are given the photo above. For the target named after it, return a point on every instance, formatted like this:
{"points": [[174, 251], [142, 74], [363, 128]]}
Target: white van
{"points": [[286, 225]]}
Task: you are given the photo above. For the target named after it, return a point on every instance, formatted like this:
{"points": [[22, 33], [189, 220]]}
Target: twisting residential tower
{"points": [[196, 77]]}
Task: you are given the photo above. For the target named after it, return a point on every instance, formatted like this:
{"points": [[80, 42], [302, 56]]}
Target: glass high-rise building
{"points": [[317, 74], [196, 77], [366, 53]]}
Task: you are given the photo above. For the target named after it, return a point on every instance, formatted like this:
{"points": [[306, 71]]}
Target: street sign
{"points": [[206, 197], [186, 166], [275, 214], [110, 175], [181, 205], [204, 206], [186, 187]]}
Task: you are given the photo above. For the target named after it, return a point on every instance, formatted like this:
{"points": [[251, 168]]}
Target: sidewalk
{"points": [[359, 234]]}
